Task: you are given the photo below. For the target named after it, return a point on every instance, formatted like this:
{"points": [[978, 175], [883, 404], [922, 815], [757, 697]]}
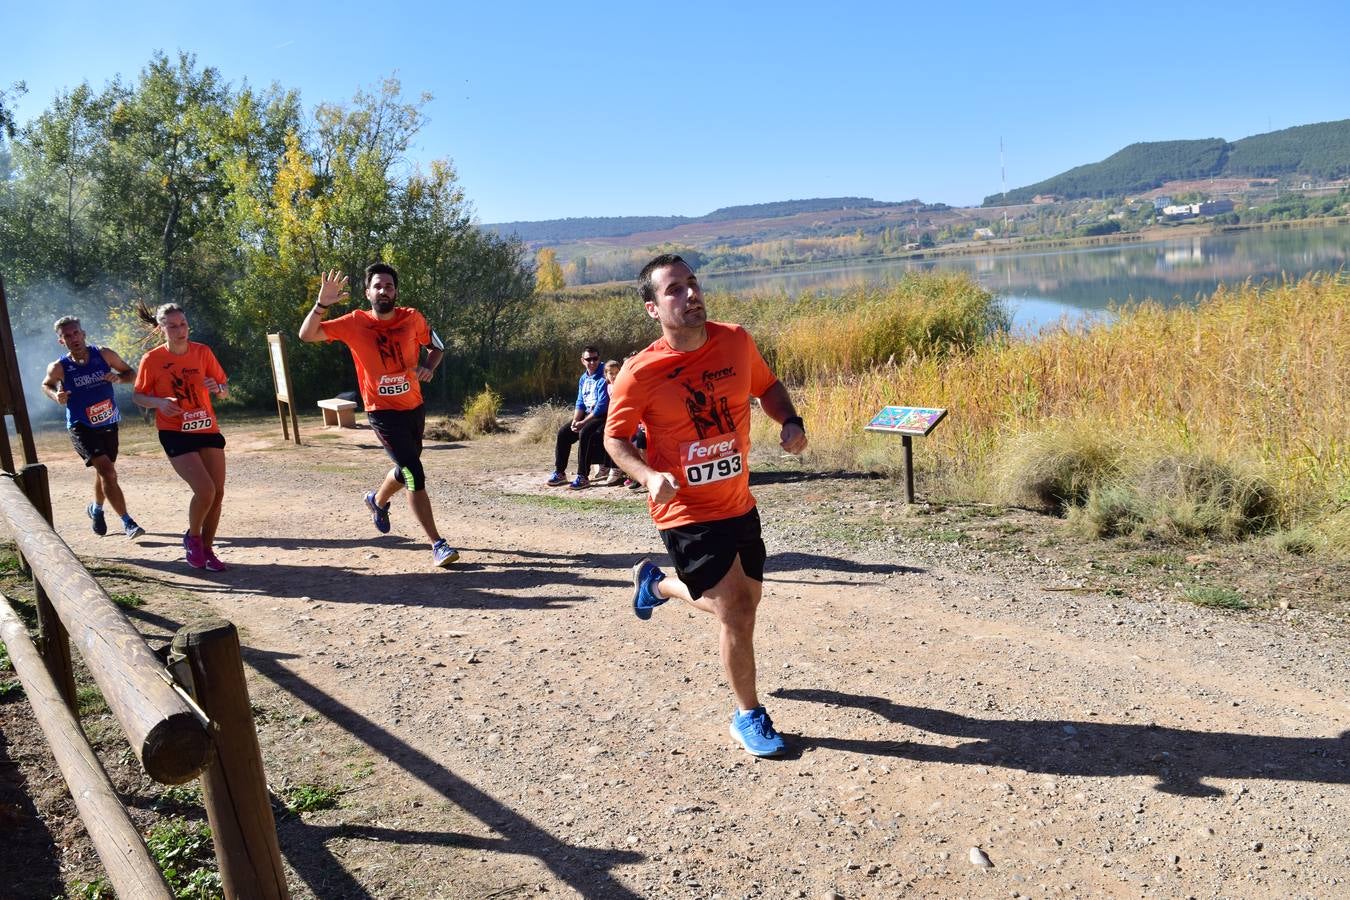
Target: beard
{"points": [[383, 306]]}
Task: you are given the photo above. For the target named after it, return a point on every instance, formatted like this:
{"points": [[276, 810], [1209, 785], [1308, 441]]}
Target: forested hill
{"points": [[556, 230], [1319, 151]]}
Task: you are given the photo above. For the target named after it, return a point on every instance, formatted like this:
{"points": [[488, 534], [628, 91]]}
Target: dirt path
{"points": [[509, 727]]}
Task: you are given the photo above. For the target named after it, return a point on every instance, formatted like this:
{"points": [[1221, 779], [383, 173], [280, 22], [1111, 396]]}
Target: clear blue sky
{"points": [[551, 110]]}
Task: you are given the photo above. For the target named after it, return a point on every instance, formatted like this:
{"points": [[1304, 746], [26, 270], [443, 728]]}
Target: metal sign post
{"points": [[281, 377], [907, 421]]}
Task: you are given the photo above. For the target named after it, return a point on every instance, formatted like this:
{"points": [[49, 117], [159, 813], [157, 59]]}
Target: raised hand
{"points": [[332, 288]]}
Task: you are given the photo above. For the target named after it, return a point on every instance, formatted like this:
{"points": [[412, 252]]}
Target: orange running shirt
{"points": [[386, 354], [696, 406], [183, 377]]}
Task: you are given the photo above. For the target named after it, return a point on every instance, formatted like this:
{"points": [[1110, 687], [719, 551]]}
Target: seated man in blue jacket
{"points": [[587, 425]]}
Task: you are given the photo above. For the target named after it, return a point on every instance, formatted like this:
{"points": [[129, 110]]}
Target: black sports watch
{"points": [[795, 420]]}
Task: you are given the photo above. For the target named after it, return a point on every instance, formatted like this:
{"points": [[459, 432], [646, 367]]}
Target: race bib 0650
{"points": [[712, 459], [393, 385], [197, 420]]}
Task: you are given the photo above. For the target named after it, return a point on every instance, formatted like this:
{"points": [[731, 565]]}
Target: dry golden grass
{"points": [[1256, 378]]}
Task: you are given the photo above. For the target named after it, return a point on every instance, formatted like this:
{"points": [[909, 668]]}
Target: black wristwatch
{"points": [[795, 420]]}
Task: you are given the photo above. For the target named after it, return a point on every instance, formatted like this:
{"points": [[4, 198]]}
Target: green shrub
{"points": [[299, 798], [1057, 468], [184, 853], [1194, 495], [1214, 597], [481, 411]]}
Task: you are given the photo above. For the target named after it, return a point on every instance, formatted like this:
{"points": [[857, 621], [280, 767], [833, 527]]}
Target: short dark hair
{"points": [[646, 289], [381, 269], [590, 348]]}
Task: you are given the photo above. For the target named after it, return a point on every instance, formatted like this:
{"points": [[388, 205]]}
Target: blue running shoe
{"points": [[98, 523], [443, 553], [557, 479], [754, 730], [132, 530], [380, 514], [645, 597]]}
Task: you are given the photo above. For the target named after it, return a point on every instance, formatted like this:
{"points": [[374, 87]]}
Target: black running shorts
{"points": [[400, 431], [91, 442], [176, 443], [703, 552]]}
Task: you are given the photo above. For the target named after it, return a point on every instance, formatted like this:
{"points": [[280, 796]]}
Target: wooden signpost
{"points": [[907, 421], [281, 377]]}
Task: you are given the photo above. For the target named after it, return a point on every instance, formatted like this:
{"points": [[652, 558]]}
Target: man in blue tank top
{"points": [[82, 381]]}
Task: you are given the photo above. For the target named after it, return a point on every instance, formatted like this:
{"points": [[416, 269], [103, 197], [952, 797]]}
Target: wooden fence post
{"points": [[207, 661], [163, 730], [53, 640], [119, 845]]}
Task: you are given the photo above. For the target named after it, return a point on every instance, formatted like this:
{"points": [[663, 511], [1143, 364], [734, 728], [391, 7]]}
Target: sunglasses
{"points": [[590, 359]]}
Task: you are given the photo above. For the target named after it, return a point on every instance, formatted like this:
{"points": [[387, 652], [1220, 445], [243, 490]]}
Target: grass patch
{"points": [[540, 424], [303, 798], [442, 428], [184, 854], [178, 799], [98, 889], [568, 503], [1214, 597], [481, 411], [90, 701], [129, 600]]}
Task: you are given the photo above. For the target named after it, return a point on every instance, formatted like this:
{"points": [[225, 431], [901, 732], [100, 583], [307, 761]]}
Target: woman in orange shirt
{"points": [[177, 381]]}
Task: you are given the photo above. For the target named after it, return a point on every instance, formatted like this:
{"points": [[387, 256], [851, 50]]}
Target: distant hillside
{"points": [[1320, 151], [560, 230]]}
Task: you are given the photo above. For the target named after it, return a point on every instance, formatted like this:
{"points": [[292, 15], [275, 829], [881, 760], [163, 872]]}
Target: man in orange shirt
{"points": [[386, 345], [692, 389]]}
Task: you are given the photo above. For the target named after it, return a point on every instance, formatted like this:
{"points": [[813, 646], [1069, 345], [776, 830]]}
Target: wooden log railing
{"points": [[130, 869], [165, 732]]}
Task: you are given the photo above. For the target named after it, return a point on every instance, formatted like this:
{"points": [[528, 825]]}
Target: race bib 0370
{"points": [[197, 420], [711, 459]]}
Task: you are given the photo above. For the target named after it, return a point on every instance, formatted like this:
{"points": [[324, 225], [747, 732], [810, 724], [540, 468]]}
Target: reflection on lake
{"points": [[1044, 287]]}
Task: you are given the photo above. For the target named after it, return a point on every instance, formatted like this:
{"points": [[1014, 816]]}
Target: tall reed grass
{"points": [[1255, 377]]}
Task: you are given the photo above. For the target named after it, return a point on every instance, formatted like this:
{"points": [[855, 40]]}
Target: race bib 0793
{"points": [[393, 385], [711, 459], [197, 420], [101, 413]]}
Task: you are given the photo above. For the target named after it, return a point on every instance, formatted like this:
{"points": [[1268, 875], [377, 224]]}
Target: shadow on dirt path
{"points": [[1180, 759]]}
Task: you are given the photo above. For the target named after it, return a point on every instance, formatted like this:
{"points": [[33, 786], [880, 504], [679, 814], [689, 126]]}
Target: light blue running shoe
{"points": [[443, 553], [645, 597], [754, 729], [379, 514], [132, 530]]}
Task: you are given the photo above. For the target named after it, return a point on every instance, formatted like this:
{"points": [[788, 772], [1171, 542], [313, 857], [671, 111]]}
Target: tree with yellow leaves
{"points": [[548, 275]]}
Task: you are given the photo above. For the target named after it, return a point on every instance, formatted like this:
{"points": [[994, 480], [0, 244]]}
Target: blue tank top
{"points": [[91, 400]]}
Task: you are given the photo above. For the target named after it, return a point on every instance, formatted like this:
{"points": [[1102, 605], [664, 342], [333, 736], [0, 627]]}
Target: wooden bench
{"points": [[338, 413]]}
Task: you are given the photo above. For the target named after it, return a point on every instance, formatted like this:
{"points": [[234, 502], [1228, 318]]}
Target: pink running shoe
{"points": [[196, 553], [213, 563]]}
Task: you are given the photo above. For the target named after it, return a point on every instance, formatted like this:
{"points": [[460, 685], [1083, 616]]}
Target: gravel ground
{"points": [[977, 705]]}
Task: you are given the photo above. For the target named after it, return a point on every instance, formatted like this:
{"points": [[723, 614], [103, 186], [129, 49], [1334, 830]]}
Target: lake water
{"points": [[1049, 286]]}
